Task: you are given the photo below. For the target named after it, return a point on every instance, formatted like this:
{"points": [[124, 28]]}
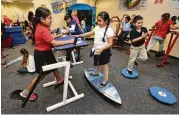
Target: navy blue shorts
{"points": [[102, 59], [43, 58]]}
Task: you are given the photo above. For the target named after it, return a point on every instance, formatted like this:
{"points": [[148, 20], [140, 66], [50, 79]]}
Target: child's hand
{"points": [[75, 36], [144, 35], [5, 66], [99, 51], [71, 41]]}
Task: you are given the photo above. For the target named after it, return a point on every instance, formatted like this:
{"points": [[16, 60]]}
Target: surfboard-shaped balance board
{"points": [[108, 91]]}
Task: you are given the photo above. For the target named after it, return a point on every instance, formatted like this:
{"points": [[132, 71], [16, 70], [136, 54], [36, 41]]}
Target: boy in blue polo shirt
{"points": [[72, 25]]}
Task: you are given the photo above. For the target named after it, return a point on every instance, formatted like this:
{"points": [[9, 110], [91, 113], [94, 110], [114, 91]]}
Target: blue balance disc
{"points": [[162, 95], [125, 73]]}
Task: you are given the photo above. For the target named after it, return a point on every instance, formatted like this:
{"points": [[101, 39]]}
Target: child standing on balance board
{"points": [[138, 34], [103, 41]]}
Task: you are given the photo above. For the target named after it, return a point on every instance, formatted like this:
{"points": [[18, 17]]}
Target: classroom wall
{"points": [[58, 19], [11, 9], [150, 15]]}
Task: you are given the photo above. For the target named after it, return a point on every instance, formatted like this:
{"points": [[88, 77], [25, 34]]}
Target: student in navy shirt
{"points": [[72, 25], [137, 36]]}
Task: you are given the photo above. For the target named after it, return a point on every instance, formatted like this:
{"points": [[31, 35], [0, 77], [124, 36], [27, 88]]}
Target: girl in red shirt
{"points": [[161, 30], [44, 42]]}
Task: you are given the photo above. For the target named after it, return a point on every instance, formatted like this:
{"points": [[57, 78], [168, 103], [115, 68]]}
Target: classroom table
{"points": [[80, 43], [70, 47]]}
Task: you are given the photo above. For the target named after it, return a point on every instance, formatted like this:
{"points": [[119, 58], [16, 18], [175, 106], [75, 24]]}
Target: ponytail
{"points": [[106, 30], [25, 54]]}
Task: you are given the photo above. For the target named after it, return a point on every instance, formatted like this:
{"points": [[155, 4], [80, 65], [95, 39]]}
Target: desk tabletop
{"points": [[80, 43]]}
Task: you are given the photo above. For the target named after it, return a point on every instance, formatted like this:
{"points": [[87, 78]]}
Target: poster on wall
{"points": [[131, 5], [57, 7], [174, 4], [60, 5]]}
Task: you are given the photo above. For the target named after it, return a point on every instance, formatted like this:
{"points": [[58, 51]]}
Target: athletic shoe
{"points": [[136, 64], [103, 84], [94, 74], [59, 83], [129, 72], [25, 93]]}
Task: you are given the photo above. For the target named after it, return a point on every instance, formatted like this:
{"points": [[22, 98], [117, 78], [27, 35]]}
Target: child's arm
{"points": [[107, 46], [153, 26], [85, 34], [144, 36], [57, 36], [123, 17], [174, 27], [61, 43], [72, 27], [14, 61], [132, 18]]}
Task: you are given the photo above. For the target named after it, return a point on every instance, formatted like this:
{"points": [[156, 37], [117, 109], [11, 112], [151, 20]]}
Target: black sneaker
{"points": [[160, 53], [103, 84], [148, 54], [94, 74], [136, 64], [129, 72], [71, 66]]}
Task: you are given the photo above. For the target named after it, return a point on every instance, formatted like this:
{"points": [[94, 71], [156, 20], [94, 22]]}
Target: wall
{"points": [[58, 20], [150, 15], [11, 9]]}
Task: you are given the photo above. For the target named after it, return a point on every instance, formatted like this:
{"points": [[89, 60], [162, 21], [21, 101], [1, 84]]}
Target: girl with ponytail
{"points": [[103, 41], [27, 62], [44, 42]]}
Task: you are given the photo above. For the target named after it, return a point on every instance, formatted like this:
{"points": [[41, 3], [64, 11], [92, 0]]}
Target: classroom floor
{"points": [[134, 93]]}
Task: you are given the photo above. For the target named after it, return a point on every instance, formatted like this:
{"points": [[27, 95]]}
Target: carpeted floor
{"points": [[134, 93]]}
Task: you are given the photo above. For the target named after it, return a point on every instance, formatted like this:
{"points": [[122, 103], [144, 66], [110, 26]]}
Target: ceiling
{"points": [[19, 1]]}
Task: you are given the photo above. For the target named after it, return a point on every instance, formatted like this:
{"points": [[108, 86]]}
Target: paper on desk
{"points": [[64, 35], [64, 31], [78, 42]]}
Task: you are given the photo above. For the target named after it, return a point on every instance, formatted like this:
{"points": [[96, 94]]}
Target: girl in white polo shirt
{"points": [[103, 41]]}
